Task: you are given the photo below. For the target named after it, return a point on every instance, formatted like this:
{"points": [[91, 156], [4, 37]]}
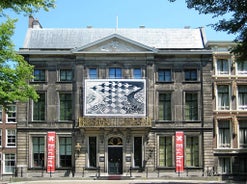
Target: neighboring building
{"points": [[8, 140], [115, 99], [230, 110]]}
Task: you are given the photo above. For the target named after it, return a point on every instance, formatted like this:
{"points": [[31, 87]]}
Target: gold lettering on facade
{"points": [[114, 122]]}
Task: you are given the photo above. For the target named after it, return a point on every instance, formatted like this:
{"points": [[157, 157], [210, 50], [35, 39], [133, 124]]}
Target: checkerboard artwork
{"points": [[115, 97]]}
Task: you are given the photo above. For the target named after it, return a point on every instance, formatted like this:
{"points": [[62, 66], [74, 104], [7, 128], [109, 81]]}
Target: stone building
{"points": [[230, 110], [116, 100]]}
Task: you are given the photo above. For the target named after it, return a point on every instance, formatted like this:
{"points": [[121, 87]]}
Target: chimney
{"points": [[33, 23], [30, 21]]}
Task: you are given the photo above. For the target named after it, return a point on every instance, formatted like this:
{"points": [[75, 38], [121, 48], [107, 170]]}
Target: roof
{"points": [[71, 38]]}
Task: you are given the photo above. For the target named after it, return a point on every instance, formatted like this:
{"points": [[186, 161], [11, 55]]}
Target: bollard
{"points": [[147, 172], [98, 171], [83, 171]]}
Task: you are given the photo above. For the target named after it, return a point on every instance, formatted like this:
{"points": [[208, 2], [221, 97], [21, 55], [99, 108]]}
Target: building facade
{"points": [[230, 105], [8, 140], [115, 100]]}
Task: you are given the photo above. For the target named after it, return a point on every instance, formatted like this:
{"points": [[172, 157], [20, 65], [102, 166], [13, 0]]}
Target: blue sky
{"points": [[130, 13]]}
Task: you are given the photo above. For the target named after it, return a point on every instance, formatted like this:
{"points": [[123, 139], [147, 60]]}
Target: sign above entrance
{"points": [[115, 97]]}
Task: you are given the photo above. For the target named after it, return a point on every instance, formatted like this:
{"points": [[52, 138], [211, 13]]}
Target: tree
{"points": [[237, 24], [15, 72]]}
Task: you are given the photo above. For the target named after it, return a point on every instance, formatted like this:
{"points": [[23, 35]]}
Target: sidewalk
{"points": [[118, 182]]}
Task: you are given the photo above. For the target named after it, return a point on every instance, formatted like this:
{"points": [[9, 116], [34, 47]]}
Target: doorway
{"points": [[115, 160]]}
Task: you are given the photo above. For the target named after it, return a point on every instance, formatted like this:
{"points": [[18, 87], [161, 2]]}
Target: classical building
{"points": [[7, 140], [230, 110], [117, 101]]}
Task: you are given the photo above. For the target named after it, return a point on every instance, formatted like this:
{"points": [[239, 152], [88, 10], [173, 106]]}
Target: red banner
{"points": [[179, 151], [51, 151]]}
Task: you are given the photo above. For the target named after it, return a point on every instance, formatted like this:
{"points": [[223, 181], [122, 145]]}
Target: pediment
{"points": [[114, 44]]}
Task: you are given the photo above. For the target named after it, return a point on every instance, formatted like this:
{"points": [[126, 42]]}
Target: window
{"points": [[38, 151], [65, 151], [223, 67], [11, 114], [223, 97], [191, 106], [224, 134], [11, 137], [242, 97], [165, 106], [164, 75], [65, 106], [39, 75], [165, 151], [190, 75], [0, 137], [115, 73], [241, 67], [9, 163], [224, 165], [1, 113], [192, 151], [92, 151], [93, 73], [243, 165], [66, 75], [137, 73], [243, 134], [138, 152], [39, 108]]}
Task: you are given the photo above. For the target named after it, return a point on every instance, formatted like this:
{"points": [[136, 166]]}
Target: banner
{"points": [[51, 151], [179, 151]]}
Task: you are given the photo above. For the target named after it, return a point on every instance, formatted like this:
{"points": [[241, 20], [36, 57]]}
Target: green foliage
{"points": [[234, 25], [15, 72], [26, 6]]}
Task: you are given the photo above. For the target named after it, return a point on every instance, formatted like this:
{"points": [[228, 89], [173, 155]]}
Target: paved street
{"points": [[115, 181]]}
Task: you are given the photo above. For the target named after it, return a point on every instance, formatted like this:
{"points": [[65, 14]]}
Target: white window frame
{"points": [[4, 165], [7, 134], [219, 72], [229, 97], [240, 72], [7, 115], [241, 107], [219, 144], [239, 128]]}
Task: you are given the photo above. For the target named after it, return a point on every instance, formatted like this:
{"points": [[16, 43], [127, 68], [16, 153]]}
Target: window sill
{"points": [[38, 82], [38, 121], [193, 82], [164, 121], [64, 82], [192, 121], [164, 168], [164, 82]]}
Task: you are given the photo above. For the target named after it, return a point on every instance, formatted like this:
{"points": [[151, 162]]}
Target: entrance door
{"points": [[115, 160]]}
